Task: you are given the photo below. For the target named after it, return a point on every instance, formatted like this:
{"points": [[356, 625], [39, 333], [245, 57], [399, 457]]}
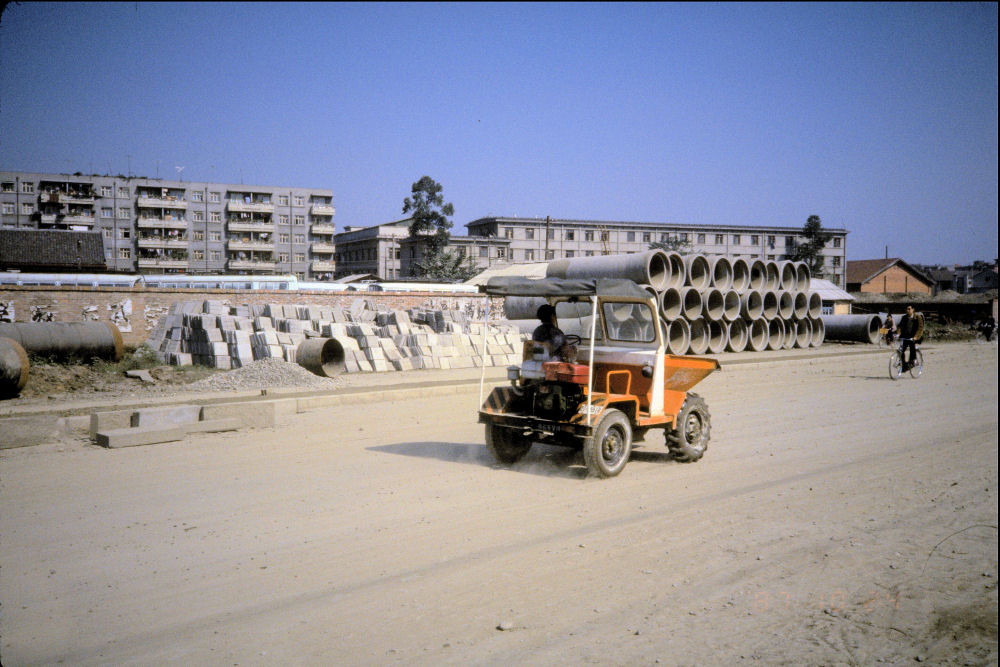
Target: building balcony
{"points": [[260, 227], [264, 246], [57, 197], [323, 209], [162, 223], [324, 229], [161, 263], [237, 206], [160, 242], [251, 265], [76, 219], [324, 248], [321, 266], [161, 202]]}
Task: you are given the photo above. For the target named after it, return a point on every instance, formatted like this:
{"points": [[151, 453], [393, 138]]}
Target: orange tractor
{"points": [[621, 385]]}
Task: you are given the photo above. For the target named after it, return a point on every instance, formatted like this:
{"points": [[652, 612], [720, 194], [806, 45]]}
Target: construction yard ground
{"points": [[838, 517]]}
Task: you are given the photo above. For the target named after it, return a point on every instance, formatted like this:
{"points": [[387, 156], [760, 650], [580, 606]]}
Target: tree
{"points": [[672, 244], [447, 266], [429, 215], [811, 250]]}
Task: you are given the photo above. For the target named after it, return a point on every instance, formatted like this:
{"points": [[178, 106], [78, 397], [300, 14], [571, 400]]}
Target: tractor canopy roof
{"points": [[563, 287]]}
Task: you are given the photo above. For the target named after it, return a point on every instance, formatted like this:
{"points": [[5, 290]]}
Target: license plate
{"points": [[594, 409]]}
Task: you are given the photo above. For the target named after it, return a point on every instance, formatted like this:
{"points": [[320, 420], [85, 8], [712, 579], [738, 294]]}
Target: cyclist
{"points": [[987, 327], [911, 332], [890, 329]]}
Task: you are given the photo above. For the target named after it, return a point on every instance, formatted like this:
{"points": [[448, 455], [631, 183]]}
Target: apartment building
{"points": [[542, 239], [162, 226]]}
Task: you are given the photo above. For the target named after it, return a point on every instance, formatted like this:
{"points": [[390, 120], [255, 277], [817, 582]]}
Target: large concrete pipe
{"points": [[741, 275], [786, 305], [772, 277], [721, 271], [678, 272], [786, 276], [818, 332], [815, 305], [737, 336], [67, 339], [769, 305], [699, 273], [802, 276], [713, 303], [800, 305], [699, 336], [731, 305], [752, 305], [856, 328], [644, 268], [13, 368], [758, 275], [803, 333], [718, 337], [757, 336], [321, 356], [671, 306], [678, 336], [691, 302], [790, 334], [775, 334]]}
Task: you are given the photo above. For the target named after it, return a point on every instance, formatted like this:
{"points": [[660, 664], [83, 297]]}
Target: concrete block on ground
{"points": [[132, 437], [215, 425], [172, 415], [109, 420], [251, 414]]}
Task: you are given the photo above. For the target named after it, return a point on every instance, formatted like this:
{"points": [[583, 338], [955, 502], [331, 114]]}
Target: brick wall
{"points": [[896, 279], [136, 310]]}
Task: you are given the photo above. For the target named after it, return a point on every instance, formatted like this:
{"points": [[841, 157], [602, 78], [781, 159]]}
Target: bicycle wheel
{"points": [[918, 364], [895, 365]]}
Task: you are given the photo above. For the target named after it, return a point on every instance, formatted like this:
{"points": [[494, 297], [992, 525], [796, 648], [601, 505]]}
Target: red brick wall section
{"points": [[137, 310], [896, 279]]}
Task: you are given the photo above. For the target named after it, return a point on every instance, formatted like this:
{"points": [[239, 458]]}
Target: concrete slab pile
{"points": [[215, 334]]}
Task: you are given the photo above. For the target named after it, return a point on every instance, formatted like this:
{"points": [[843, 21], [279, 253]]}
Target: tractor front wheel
{"points": [[607, 452], [688, 440], [506, 445]]}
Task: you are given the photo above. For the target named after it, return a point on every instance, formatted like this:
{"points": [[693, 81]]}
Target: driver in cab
{"points": [[549, 334]]}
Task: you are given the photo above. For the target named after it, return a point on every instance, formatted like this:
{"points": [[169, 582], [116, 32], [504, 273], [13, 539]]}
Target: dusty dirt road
{"points": [[837, 518]]}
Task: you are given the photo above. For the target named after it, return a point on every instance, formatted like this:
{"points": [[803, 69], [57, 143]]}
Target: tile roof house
{"points": [[53, 251], [886, 276]]}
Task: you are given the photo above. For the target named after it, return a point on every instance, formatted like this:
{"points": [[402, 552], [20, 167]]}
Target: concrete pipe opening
{"points": [[718, 337], [13, 368], [678, 336], [772, 277], [698, 271], [678, 273], [699, 336], [787, 276], [752, 305], [854, 328], [769, 305], [731, 305], [775, 334], [757, 337], [644, 268], [818, 332], [721, 272], [786, 305], [802, 276], [815, 305], [670, 304], [758, 275], [691, 302], [741, 275], [713, 304], [321, 356], [789, 341], [737, 336], [800, 306], [803, 333]]}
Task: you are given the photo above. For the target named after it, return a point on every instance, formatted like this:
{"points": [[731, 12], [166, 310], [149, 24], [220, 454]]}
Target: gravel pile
{"points": [[263, 374]]}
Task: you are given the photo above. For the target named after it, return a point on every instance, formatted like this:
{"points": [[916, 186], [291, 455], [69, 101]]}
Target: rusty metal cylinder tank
{"points": [[67, 339]]}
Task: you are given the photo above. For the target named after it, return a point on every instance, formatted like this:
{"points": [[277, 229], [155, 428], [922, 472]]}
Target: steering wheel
{"points": [[573, 339]]}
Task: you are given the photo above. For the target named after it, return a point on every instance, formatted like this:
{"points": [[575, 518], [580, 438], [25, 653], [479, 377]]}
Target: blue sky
{"points": [[879, 118]]}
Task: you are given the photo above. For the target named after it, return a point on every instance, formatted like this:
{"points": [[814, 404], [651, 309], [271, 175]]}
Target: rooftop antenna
{"points": [[179, 170]]}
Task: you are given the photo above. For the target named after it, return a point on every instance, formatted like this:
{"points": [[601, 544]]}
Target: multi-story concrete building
{"points": [[542, 239], [159, 226]]}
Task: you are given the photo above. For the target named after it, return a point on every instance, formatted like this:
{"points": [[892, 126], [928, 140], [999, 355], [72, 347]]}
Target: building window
{"points": [[27, 188], [552, 235], [771, 257], [701, 238], [284, 238], [836, 243], [300, 257], [299, 201], [124, 253], [106, 212], [646, 237], [569, 254], [770, 242], [109, 233], [106, 191], [529, 234], [484, 252], [720, 239], [199, 216], [684, 237], [124, 233], [588, 253], [754, 239], [215, 236], [197, 196], [8, 186], [8, 209], [605, 236], [198, 236], [283, 200], [215, 216], [501, 253], [123, 213], [550, 254], [736, 239], [282, 219], [215, 255], [836, 262], [300, 238], [198, 254], [299, 220], [529, 255], [789, 241], [630, 237], [214, 197], [123, 192], [508, 233], [27, 209], [588, 236]]}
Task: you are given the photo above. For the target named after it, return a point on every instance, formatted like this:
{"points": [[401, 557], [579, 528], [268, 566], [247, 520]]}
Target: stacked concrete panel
{"points": [[215, 334]]}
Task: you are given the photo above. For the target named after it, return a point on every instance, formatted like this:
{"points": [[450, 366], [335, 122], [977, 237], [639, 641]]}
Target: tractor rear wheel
{"points": [[506, 445], [607, 452], [688, 441]]}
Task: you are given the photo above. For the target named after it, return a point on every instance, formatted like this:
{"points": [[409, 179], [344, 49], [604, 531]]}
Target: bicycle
{"points": [[886, 337], [896, 361]]}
